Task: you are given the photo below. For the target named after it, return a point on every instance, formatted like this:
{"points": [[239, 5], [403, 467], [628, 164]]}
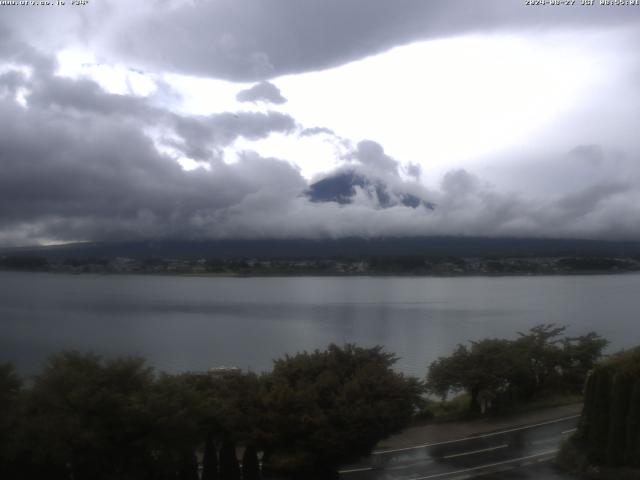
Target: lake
{"points": [[194, 323]]}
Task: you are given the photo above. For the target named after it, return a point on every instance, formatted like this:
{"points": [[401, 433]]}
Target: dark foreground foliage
{"points": [[498, 373], [610, 424], [87, 418], [327, 408], [607, 442]]}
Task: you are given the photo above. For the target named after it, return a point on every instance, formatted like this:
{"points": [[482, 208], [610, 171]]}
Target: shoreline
{"points": [[589, 273]]}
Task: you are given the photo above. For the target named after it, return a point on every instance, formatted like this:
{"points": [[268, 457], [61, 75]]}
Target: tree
{"points": [[210, 460], [540, 346], [188, 466], [229, 467], [621, 389], [449, 374], [632, 443], [329, 407], [581, 356], [250, 464], [88, 416], [485, 371], [609, 430], [176, 413], [10, 392], [229, 405], [498, 372], [10, 386]]}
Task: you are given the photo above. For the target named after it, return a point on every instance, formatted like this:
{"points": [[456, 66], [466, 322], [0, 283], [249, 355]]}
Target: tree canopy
{"points": [[607, 440], [87, 417], [498, 372], [332, 406], [90, 418]]}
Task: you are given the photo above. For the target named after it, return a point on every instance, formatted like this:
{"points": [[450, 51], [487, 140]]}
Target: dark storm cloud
{"points": [[587, 200], [549, 172], [47, 90], [246, 40], [97, 177], [601, 206], [76, 163], [11, 81], [262, 92], [14, 50], [84, 95], [201, 136]]}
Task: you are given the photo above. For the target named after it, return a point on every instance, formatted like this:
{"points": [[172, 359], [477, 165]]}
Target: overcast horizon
{"points": [[179, 119]]}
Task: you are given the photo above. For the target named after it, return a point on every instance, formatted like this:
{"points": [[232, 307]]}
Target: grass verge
{"points": [[457, 408]]}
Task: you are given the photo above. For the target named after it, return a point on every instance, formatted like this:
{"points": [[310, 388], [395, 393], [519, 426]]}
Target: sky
{"points": [[208, 119]]}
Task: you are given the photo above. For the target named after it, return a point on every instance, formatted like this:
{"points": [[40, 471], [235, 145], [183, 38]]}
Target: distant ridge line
{"points": [[352, 247]]}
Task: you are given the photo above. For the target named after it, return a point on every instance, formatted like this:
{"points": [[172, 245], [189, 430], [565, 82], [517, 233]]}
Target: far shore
{"points": [[332, 274]]}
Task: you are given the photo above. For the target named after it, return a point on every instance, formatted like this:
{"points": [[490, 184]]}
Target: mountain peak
{"points": [[341, 188]]}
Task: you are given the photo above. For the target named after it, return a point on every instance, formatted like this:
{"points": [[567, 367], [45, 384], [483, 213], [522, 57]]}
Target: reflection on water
{"points": [[182, 323]]}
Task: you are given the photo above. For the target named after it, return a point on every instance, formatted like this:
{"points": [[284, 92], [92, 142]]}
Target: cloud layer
{"points": [[79, 163], [245, 40]]}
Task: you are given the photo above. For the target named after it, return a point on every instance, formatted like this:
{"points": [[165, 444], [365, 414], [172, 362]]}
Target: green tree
{"points": [[88, 416], [609, 430], [581, 354], [498, 372], [329, 407], [10, 392], [485, 371], [210, 460], [632, 443], [188, 466], [621, 388], [229, 405], [229, 467], [10, 386], [541, 347], [599, 422], [250, 464]]}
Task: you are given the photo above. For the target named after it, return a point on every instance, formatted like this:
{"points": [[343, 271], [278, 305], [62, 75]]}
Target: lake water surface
{"points": [[194, 323]]}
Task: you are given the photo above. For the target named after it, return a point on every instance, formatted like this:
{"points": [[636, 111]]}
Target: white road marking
{"points": [[476, 451], [569, 431], [493, 434], [354, 470], [489, 465]]}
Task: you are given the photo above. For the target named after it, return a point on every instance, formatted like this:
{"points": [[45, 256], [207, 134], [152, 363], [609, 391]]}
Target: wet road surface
{"points": [[514, 453]]}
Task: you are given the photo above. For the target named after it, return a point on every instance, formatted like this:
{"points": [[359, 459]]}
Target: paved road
{"points": [[517, 451], [540, 471]]}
